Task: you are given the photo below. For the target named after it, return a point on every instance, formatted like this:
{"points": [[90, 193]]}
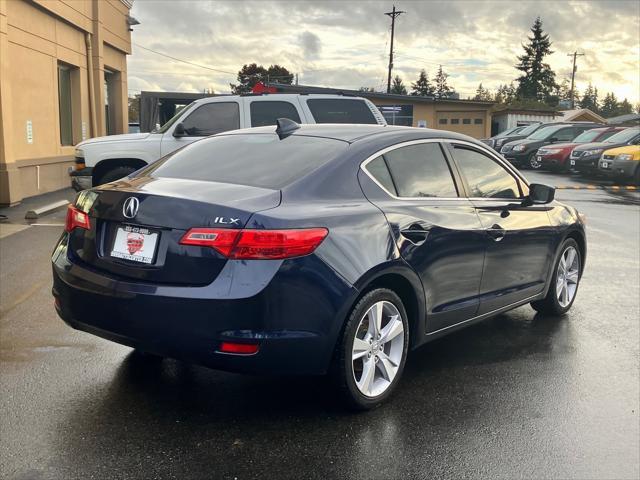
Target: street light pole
{"points": [[393, 14]]}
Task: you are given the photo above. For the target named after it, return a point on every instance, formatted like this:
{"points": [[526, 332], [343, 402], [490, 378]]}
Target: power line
{"points": [[184, 61]]}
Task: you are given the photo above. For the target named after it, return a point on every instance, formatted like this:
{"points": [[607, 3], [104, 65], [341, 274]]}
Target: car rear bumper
{"points": [[295, 321]]}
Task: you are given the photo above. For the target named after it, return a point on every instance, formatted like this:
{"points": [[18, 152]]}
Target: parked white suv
{"points": [[105, 159]]}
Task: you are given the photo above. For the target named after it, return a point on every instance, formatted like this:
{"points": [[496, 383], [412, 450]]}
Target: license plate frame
{"points": [[135, 244]]}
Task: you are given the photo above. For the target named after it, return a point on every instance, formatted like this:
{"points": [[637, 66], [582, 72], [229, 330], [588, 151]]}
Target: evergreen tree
{"points": [[442, 88], [398, 87], [483, 94], [537, 80], [609, 105], [624, 108], [253, 73], [422, 87], [590, 99], [505, 94]]}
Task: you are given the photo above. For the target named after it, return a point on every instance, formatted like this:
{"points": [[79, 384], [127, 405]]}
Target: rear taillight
{"points": [[257, 244], [76, 219]]}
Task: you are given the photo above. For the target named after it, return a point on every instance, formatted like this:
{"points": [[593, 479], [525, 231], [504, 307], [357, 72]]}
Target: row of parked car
{"points": [[584, 147]]}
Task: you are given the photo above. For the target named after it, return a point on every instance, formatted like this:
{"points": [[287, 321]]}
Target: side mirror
{"points": [[539, 194], [179, 131]]}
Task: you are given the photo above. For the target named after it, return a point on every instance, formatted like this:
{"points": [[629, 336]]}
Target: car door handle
{"points": [[415, 233], [496, 232]]}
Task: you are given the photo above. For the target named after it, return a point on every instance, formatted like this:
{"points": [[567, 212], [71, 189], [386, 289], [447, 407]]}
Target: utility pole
{"points": [[393, 14], [573, 75]]}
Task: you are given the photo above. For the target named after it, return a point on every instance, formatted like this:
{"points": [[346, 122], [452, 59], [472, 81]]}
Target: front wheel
{"points": [[564, 283], [372, 351], [533, 163]]}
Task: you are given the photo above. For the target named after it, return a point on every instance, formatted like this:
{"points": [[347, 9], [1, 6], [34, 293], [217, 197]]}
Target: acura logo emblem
{"points": [[130, 207]]}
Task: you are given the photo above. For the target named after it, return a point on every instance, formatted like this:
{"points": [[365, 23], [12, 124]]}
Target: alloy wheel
{"points": [[567, 276], [377, 348]]}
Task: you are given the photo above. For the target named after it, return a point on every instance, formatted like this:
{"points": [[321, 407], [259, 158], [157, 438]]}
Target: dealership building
{"points": [[63, 78]]}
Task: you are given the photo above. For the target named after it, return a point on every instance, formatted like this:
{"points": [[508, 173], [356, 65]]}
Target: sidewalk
{"points": [[15, 215]]}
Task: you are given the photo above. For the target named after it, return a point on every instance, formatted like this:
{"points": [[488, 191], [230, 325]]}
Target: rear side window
{"points": [[420, 171], [259, 160], [340, 110], [266, 113], [378, 170], [212, 118], [486, 177]]}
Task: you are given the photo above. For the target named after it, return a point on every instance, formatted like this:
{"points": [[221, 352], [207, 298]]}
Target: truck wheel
{"points": [[115, 174]]}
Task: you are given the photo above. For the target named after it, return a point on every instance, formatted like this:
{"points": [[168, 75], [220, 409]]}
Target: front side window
{"points": [[266, 113], [212, 118], [420, 171], [340, 110], [566, 134], [486, 177], [624, 136]]}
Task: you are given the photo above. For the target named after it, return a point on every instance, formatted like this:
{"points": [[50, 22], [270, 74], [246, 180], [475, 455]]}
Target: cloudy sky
{"points": [[345, 44]]}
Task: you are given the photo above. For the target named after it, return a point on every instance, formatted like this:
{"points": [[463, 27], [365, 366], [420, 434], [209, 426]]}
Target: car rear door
{"points": [[518, 239], [437, 230], [263, 111]]}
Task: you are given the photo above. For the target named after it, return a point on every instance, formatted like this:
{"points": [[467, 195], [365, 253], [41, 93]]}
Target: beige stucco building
{"points": [[63, 78]]}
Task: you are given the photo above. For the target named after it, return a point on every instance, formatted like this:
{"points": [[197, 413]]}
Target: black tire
{"points": [[636, 177], [115, 174], [342, 371], [550, 305]]}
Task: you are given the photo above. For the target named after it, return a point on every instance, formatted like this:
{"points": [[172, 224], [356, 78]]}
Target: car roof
{"points": [[352, 132]]}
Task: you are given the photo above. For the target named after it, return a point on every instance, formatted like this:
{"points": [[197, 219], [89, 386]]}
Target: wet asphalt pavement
{"points": [[518, 396]]}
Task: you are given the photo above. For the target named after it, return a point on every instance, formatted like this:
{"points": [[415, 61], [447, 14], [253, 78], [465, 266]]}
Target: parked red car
{"points": [[556, 156]]}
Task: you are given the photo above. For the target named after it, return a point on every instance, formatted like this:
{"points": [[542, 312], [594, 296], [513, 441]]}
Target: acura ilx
{"points": [[315, 249]]}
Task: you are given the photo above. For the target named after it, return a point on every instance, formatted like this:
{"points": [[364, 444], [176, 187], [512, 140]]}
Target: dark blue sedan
{"points": [[318, 249]]}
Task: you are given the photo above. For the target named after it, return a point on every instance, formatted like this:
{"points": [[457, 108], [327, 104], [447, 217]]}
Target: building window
{"points": [[455, 121], [466, 121], [442, 121], [477, 121], [397, 114], [64, 104]]}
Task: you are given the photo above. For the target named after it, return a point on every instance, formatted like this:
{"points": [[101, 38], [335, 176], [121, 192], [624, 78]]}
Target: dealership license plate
{"points": [[605, 165], [539, 159], [572, 162], [136, 244]]}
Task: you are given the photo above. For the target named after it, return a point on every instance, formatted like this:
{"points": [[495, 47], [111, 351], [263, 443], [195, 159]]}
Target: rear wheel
{"points": [[372, 351], [115, 174], [564, 284]]}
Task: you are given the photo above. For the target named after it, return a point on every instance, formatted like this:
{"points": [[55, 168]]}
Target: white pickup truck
{"points": [[105, 159]]}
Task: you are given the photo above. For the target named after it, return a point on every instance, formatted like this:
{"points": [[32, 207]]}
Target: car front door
{"points": [[518, 239], [437, 230], [206, 119]]}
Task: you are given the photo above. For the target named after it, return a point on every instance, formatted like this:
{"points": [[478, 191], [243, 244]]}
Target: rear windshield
{"points": [[259, 160], [340, 110]]}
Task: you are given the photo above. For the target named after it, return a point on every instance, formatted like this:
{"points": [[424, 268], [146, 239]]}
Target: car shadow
{"points": [[153, 406]]}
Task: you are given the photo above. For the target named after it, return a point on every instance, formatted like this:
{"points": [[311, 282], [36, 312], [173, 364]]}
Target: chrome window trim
{"points": [[408, 144], [506, 165]]}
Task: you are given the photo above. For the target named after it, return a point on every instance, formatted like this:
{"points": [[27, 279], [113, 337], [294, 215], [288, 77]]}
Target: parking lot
{"points": [[518, 396]]}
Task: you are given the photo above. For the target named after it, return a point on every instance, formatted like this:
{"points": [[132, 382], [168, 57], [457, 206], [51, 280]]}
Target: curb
{"points": [[45, 209], [615, 188]]}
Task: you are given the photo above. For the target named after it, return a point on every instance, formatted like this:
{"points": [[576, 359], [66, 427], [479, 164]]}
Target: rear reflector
{"points": [[257, 244], [239, 348], [76, 219]]}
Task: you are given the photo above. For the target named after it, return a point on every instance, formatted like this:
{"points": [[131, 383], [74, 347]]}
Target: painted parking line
{"points": [[629, 188]]}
